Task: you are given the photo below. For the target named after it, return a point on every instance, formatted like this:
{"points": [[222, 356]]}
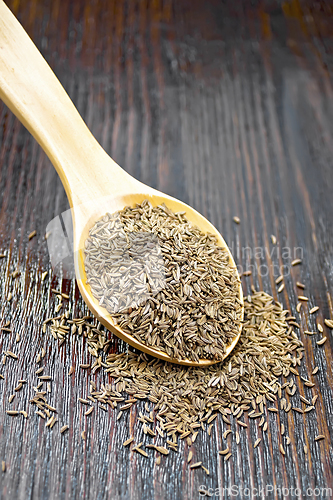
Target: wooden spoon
{"points": [[94, 183]]}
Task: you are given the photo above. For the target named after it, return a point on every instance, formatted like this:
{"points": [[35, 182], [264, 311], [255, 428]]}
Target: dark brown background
{"points": [[228, 106]]}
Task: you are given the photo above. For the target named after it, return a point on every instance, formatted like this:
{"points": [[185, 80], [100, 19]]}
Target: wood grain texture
{"points": [[228, 107]]}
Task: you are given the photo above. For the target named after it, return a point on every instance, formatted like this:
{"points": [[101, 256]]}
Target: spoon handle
{"points": [[33, 93]]}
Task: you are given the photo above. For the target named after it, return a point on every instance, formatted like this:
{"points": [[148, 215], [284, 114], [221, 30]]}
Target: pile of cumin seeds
{"points": [[164, 281], [258, 374], [187, 398]]}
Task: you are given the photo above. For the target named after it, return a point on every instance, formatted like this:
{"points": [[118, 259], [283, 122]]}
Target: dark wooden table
{"points": [[227, 105]]}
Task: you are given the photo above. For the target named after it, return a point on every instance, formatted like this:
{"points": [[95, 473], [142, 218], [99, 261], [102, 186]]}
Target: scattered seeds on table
{"points": [[59, 306], [125, 407], [11, 354], [138, 376], [162, 450], [84, 401], [314, 399], [296, 261], [32, 234], [49, 422], [304, 400], [139, 450], [161, 261], [329, 323], [128, 441], [194, 466], [6, 330]]}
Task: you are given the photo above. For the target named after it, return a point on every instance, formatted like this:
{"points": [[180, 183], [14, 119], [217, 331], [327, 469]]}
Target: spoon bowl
{"points": [[81, 232], [94, 183]]}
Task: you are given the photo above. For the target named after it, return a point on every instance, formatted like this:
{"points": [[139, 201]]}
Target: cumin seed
{"points": [[194, 466], [256, 442], [128, 441]]}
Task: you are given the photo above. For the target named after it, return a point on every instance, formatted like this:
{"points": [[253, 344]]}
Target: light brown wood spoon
{"points": [[94, 183]]}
